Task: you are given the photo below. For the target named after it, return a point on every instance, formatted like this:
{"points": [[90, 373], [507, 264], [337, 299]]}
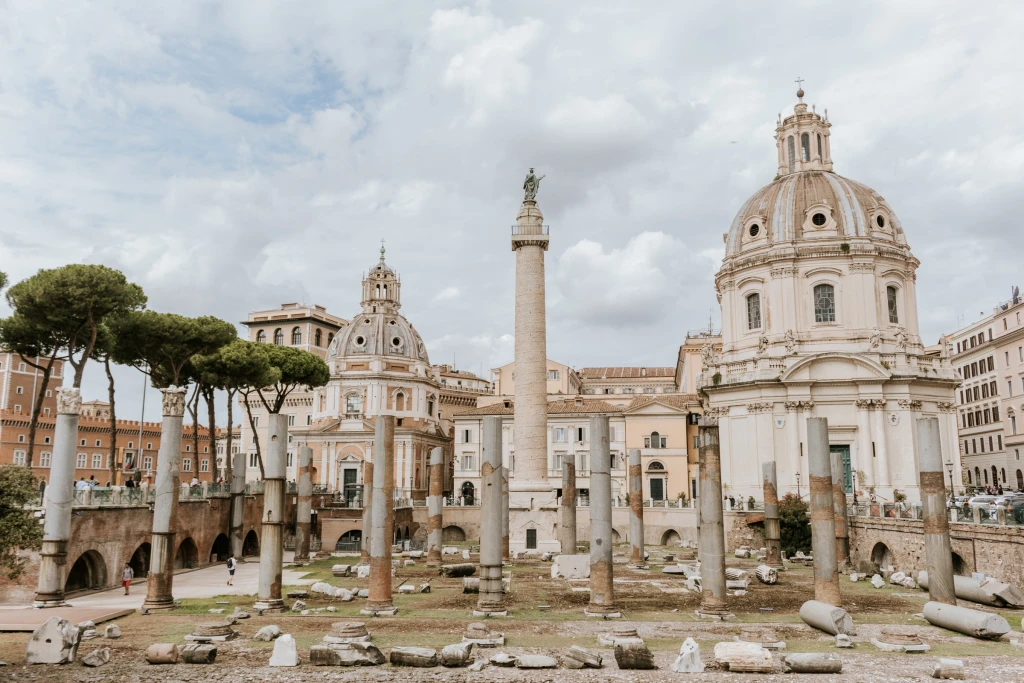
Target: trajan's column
{"points": [[533, 509]]}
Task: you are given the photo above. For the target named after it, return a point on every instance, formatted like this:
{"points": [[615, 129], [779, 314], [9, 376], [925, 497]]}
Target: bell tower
{"points": [[802, 139], [381, 288]]}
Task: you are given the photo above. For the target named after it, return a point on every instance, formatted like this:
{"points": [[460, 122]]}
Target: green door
{"points": [[657, 489], [844, 458]]}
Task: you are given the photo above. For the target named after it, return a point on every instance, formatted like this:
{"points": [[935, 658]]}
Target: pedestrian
{"points": [[127, 574], [82, 484], [195, 482], [232, 563], [130, 484], [92, 481]]}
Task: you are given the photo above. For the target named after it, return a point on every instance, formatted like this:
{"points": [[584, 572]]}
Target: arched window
{"points": [[261, 337], [655, 466], [318, 337], [890, 298], [792, 154], [296, 336], [977, 476], [1002, 473], [754, 311], [330, 338], [820, 155], [995, 479], [279, 337], [655, 440], [824, 304], [805, 147], [377, 295], [353, 404], [399, 401], [969, 476]]}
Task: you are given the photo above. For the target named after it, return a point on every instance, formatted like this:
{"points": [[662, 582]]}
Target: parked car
{"points": [[1007, 502], [977, 502]]}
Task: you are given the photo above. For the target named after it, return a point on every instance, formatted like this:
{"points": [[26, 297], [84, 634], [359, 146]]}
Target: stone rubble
{"points": [[285, 651], [97, 657], [54, 642], [198, 653], [268, 633], [949, 669], [744, 657], [535, 662], [633, 654], [162, 653], [456, 655], [113, 631], [688, 661], [424, 657], [577, 657]]}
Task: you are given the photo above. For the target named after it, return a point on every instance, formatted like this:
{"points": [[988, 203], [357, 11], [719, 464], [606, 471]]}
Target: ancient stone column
{"points": [[602, 594], [382, 520], [636, 509], [159, 582], [237, 503], [839, 510], [367, 495], [275, 462], [937, 549], [60, 494], [823, 521], [772, 531], [435, 507], [492, 593], [304, 505], [567, 528], [712, 526], [506, 553]]}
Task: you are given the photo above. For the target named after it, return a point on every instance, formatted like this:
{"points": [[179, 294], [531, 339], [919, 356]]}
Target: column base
{"points": [[379, 611], [46, 602], [602, 612], [485, 613], [157, 605], [272, 606], [715, 615]]}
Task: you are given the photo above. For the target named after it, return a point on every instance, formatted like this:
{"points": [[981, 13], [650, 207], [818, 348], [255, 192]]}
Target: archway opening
{"points": [[959, 566], [187, 556], [615, 536], [89, 572], [881, 556], [468, 492], [221, 550], [670, 537], [140, 561], [1020, 480], [251, 544], [453, 534], [351, 540]]}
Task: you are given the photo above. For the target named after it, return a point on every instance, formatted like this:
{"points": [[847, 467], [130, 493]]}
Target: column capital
{"points": [[174, 401], [69, 401]]}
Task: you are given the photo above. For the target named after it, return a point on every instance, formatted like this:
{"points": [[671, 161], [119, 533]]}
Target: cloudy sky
{"points": [[231, 156]]}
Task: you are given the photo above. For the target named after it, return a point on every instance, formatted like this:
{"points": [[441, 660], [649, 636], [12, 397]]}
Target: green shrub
{"points": [[795, 525]]}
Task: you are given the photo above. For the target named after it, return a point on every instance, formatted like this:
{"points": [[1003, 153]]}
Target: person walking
{"points": [[232, 563], [127, 574]]}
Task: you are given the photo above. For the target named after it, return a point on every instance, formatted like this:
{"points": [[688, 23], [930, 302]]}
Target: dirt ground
{"points": [[657, 604]]}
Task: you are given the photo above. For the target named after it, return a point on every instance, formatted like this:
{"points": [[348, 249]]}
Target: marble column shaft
{"points": [[937, 548], [159, 582], [367, 502], [60, 495], [772, 530], [567, 522], [602, 592], [382, 520], [822, 511], [839, 509], [304, 505], [506, 553], [712, 526], [492, 594], [636, 509], [435, 507], [236, 534], [268, 592]]}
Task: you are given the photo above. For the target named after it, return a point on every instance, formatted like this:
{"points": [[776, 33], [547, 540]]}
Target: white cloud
{"points": [[446, 294]]}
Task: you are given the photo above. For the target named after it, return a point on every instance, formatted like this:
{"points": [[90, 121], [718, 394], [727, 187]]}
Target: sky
{"points": [[232, 156]]}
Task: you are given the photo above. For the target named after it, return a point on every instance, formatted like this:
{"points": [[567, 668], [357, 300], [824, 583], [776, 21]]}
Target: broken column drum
{"points": [[367, 494], [53, 556], [772, 530], [602, 596], [304, 505], [435, 510], [636, 509], [839, 508], [268, 595], [492, 593], [382, 524], [937, 548], [159, 582], [712, 528], [237, 502], [568, 509], [823, 522]]}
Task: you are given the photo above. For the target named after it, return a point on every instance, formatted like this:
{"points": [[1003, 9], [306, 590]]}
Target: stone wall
{"points": [[996, 550]]}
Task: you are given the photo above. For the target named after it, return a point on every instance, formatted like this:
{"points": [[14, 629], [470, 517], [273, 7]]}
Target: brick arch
{"points": [[89, 571]]}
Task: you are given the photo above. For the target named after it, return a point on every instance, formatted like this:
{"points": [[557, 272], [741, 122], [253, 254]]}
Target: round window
{"points": [[360, 341], [818, 219], [396, 341], [367, 321], [754, 229], [880, 219]]}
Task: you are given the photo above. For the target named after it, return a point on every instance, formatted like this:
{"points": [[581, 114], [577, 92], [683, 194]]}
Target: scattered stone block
{"points": [[742, 553], [218, 610], [964, 620], [363, 571], [618, 635], [344, 632], [633, 654], [97, 657], [577, 657], [425, 588], [113, 631], [763, 636], [239, 614], [198, 653], [478, 634], [212, 633], [536, 662], [267, 633], [449, 550], [844, 641], [571, 567], [470, 585], [855, 577], [828, 618], [465, 554], [457, 570], [672, 569], [546, 557], [346, 654], [736, 585], [363, 593], [298, 606], [896, 578], [341, 570], [688, 661], [90, 633], [406, 589], [54, 642], [415, 554], [408, 563], [162, 653], [332, 608], [949, 669], [892, 641], [478, 665], [877, 581], [503, 659], [298, 594], [285, 652], [456, 655], [812, 663], [424, 657], [744, 657]]}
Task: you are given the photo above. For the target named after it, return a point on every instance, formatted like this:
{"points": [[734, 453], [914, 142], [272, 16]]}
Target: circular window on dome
{"points": [[367, 321], [818, 219], [360, 340], [880, 219], [754, 229], [396, 341]]}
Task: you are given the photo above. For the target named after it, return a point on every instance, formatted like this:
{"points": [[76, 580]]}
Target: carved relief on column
{"points": [[910, 404], [69, 401], [759, 407], [174, 401], [946, 406]]}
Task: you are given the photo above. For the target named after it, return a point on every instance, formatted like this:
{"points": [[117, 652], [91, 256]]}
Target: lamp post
{"points": [[798, 485], [854, 475], [949, 468]]}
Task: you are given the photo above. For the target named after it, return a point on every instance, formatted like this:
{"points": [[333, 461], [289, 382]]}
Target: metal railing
{"points": [[960, 514]]}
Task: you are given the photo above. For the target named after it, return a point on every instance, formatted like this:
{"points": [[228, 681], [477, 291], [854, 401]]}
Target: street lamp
{"points": [[798, 485], [949, 468], [854, 475]]}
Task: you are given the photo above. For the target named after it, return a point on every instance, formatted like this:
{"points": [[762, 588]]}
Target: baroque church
{"points": [[819, 319]]}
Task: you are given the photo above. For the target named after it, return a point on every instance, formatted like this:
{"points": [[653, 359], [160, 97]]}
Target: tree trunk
{"points": [[34, 421], [193, 409], [228, 464], [209, 394], [255, 436], [113, 422]]}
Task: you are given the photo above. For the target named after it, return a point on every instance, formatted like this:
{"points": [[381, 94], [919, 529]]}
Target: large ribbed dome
{"points": [[810, 205], [379, 334]]}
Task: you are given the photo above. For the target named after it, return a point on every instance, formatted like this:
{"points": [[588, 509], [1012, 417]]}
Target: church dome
{"points": [[379, 329]]}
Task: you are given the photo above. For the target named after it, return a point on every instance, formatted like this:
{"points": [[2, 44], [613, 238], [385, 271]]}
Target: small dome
{"points": [[379, 334], [809, 205]]}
